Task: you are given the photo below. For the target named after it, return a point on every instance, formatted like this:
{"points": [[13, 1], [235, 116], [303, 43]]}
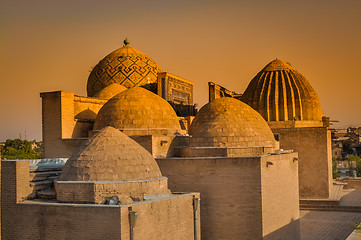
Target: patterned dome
{"points": [[110, 155], [228, 122], [280, 93], [138, 111], [125, 66]]}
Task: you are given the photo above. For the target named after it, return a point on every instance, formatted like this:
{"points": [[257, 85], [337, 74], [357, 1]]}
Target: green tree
{"points": [[354, 164], [334, 168], [20, 149]]}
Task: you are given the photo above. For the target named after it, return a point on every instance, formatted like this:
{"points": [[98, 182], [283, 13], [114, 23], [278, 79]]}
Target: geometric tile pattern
{"points": [[125, 66], [280, 93]]}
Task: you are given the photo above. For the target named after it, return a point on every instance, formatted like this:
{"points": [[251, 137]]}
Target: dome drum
{"points": [[226, 151], [98, 191]]}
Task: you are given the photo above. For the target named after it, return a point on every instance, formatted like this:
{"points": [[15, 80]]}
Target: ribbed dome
{"points": [[138, 109], [110, 155], [280, 93], [110, 91], [125, 66], [228, 122]]}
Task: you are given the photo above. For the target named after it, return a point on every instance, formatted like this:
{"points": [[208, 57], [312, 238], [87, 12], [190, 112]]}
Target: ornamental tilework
{"points": [[125, 66]]}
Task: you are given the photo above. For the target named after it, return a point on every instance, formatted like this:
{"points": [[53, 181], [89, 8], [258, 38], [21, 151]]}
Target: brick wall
{"points": [[163, 220], [15, 187], [239, 197], [352, 183], [315, 159], [230, 193], [280, 197], [95, 192], [162, 146], [166, 218], [66, 221], [66, 120]]}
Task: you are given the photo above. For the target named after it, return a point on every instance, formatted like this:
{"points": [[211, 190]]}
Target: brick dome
{"points": [[125, 66], [110, 155], [228, 122], [110, 91], [110, 164], [280, 93], [138, 111]]}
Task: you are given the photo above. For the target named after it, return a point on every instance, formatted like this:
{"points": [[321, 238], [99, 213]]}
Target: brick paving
{"points": [[322, 225]]}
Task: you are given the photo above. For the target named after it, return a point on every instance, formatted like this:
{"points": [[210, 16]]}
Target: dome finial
{"points": [[126, 42]]}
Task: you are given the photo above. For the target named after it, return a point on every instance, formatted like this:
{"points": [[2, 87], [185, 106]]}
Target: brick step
{"points": [[41, 185], [37, 183], [47, 194], [40, 176], [321, 202], [331, 208], [45, 170]]}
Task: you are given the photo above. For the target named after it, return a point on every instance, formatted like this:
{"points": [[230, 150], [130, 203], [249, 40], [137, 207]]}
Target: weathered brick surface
{"points": [[65, 222], [161, 146], [352, 183], [93, 192], [315, 160], [164, 218], [66, 116], [15, 187], [280, 197], [232, 193]]}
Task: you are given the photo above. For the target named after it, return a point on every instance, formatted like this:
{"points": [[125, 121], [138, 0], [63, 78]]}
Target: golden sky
{"points": [[48, 45]]}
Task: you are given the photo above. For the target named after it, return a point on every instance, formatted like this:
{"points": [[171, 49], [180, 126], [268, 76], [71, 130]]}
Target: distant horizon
{"points": [[49, 46]]}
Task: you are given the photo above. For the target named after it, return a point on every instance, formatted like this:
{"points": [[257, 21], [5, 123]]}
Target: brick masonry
{"points": [[315, 160], [163, 218], [233, 190]]}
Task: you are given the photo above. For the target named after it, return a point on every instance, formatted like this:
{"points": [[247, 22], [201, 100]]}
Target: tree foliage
{"points": [[334, 168], [354, 163], [21, 149]]}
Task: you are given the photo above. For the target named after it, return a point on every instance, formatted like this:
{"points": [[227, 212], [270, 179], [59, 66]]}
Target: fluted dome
{"points": [[280, 93], [110, 155], [228, 122], [138, 111], [125, 66]]}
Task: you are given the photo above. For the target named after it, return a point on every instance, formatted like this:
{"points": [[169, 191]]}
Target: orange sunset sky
{"points": [[49, 45]]}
